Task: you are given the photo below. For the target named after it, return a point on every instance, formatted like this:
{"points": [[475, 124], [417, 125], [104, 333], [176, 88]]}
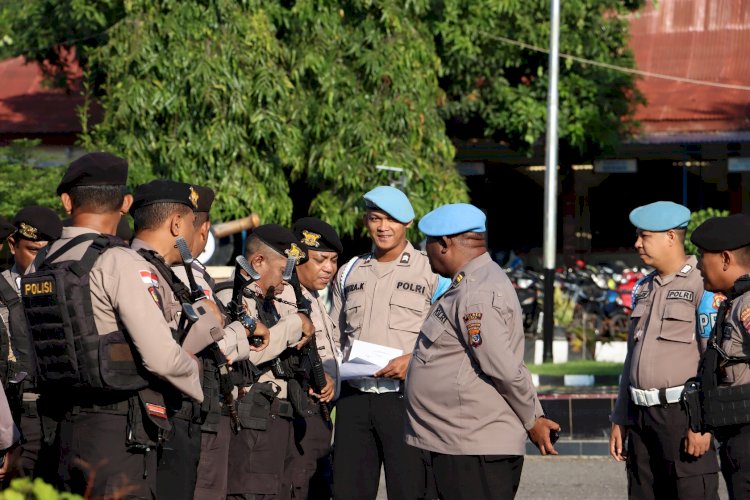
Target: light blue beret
{"points": [[660, 216], [391, 201], [453, 219]]}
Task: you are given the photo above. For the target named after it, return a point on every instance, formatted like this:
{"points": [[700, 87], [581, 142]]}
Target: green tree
{"points": [[23, 184], [696, 219]]}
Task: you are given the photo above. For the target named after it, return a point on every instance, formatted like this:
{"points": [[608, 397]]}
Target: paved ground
{"points": [[570, 478]]}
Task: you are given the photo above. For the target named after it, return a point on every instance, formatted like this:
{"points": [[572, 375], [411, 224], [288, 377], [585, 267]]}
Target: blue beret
{"points": [[453, 219], [391, 201], [660, 216]]}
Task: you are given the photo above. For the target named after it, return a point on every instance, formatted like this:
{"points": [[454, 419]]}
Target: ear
{"points": [[205, 228], [445, 244], [127, 202], [67, 203], [175, 224], [257, 260], [408, 224], [727, 259], [12, 244]]}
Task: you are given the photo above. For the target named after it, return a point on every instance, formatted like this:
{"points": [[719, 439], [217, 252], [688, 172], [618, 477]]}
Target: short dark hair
{"points": [[681, 233], [200, 218], [743, 255], [97, 199], [152, 216]]}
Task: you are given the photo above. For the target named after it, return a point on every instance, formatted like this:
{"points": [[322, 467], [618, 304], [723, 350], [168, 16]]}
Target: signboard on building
{"points": [[616, 166], [739, 164]]}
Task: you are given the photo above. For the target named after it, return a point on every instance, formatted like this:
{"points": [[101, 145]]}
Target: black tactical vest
{"points": [[18, 334], [69, 351]]}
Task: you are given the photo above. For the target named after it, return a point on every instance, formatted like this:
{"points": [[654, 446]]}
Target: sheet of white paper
{"points": [[376, 354], [355, 369]]}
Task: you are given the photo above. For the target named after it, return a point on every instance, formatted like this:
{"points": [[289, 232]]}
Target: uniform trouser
{"points": [[370, 433], [93, 455], [256, 460], [28, 463], [473, 477], [735, 459], [657, 465], [311, 445], [213, 466], [177, 465]]}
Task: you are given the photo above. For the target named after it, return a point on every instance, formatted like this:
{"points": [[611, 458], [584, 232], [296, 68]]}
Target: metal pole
{"points": [[550, 182]]}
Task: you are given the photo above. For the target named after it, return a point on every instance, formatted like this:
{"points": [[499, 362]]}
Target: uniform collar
{"points": [[404, 260], [476, 263], [139, 244], [70, 232], [686, 269]]}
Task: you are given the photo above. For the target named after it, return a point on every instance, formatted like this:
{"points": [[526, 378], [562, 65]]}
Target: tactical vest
{"points": [[18, 334], [723, 405], [69, 351]]}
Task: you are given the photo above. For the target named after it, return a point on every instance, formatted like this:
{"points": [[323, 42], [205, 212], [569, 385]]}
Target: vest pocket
{"points": [[118, 366], [678, 323], [406, 311]]}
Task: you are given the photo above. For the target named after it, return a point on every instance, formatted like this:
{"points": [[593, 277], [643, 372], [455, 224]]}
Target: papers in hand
{"points": [[366, 358]]}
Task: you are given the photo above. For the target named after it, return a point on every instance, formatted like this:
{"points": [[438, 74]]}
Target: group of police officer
{"points": [[130, 373]]}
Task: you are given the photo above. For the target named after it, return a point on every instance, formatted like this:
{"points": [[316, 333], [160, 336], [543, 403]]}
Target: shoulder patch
{"points": [[472, 316], [149, 278], [745, 318]]}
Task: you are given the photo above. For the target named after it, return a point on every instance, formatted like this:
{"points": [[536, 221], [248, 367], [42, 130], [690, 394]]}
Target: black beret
{"points": [[280, 239], [722, 233], [95, 169], [206, 197], [164, 191], [37, 223], [317, 235], [6, 228]]}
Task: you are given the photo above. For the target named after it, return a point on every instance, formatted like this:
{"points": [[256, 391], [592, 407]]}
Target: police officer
{"points": [[9, 435], [36, 227], [163, 210], [258, 452], [470, 399], [668, 331], [724, 244], [383, 298], [311, 431], [108, 399], [211, 481]]}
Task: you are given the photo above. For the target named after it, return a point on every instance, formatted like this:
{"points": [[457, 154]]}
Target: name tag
{"points": [[439, 313], [681, 294]]}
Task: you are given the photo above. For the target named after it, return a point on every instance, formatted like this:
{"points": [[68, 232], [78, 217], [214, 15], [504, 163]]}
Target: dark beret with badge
{"points": [[280, 239], [37, 223], [95, 169], [206, 197], [722, 233], [6, 228], [317, 235], [164, 191]]}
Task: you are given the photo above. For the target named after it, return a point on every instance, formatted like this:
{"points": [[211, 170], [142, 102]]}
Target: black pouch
{"points": [[297, 397], [254, 409], [148, 424], [691, 401], [725, 406]]}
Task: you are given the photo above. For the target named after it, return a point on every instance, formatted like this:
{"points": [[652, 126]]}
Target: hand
{"points": [[326, 394], [7, 459], [308, 330], [617, 442], [262, 332], [697, 443], [539, 435], [396, 368]]}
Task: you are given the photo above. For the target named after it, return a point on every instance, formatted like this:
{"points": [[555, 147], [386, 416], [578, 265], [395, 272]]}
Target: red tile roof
{"points": [[29, 106], [701, 40]]}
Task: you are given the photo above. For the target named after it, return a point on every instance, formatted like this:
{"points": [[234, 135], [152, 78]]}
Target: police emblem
{"points": [[27, 231], [194, 197], [295, 252], [405, 258], [473, 322], [745, 318], [310, 239], [718, 299]]}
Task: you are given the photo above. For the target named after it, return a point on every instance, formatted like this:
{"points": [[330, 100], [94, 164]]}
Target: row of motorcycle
{"points": [[595, 299]]}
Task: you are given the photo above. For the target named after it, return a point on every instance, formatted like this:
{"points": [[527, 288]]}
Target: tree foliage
{"points": [[696, 219], [256, 97], [20, 187]]}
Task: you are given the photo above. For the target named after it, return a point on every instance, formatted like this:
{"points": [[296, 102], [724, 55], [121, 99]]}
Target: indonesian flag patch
{"points": [[149, 278]]}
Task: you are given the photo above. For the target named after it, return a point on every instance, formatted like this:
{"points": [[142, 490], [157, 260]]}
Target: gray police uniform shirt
{"points": [[383, 303], [671, 320], [735, 340], [468, 391], [11, 276], [123, 294]]}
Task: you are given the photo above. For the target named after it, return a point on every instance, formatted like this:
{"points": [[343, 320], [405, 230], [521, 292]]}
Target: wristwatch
{"points": [[248, 322]]}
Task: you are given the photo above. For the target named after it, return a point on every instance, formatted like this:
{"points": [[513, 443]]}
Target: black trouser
{"points": [[213, 466], [31, 427], [657, 465], [256, 460], [473, 477], [93, 454], [370, 433], [735, 459], [177, 466], [311, 446]]}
